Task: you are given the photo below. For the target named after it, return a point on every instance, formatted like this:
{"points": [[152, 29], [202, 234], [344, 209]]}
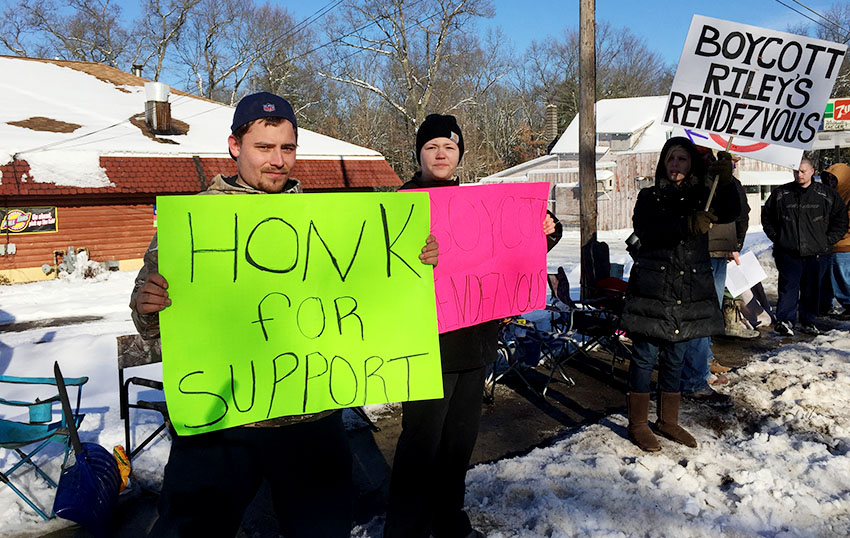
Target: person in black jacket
{"points": [[803, 219], [725, 241], [429, 469], [670, 297]]}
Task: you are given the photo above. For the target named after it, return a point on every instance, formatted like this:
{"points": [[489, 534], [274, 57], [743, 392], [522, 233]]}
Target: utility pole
{"points": [[587, 133]]}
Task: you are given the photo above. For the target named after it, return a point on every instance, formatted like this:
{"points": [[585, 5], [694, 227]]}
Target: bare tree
{"points": [[159, 27], [625, 67], [86, 30], [837, 30], [404, 47], [211, 48], [16, 31]]}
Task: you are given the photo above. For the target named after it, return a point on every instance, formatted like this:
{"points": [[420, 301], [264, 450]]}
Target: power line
{"points": [[819, 23], [818, 14]]}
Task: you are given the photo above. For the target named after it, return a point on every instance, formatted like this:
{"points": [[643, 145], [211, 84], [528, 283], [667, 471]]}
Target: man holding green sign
{"points": [[215, 469]]}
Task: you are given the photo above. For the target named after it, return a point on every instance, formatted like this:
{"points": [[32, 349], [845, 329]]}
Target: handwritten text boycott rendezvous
{"points": [[492, 251], [294, 304], [759, 84]]}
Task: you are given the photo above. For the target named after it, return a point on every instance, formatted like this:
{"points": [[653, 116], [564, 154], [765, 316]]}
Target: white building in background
{"points": [[629, 138]]}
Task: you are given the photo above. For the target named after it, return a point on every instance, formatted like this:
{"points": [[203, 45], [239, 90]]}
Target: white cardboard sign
{"points": [[769, 153], [744, 81]]}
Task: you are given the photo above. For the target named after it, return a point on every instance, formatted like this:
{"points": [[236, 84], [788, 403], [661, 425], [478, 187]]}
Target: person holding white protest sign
{"points": [[671, 298], [803, 219], [211, 478], [725, 241]]}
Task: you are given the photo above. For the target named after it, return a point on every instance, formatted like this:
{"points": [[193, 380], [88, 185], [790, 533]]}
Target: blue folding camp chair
{"points": [[38, 429], [523, 346]]}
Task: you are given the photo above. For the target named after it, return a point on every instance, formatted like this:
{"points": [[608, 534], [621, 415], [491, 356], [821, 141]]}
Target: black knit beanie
{"points": [[439, 126]]}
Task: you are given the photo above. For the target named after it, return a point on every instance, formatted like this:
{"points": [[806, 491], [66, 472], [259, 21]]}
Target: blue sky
{"points": [[663, 23]]}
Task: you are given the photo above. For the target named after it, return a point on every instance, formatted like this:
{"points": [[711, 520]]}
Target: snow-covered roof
{"points": [[61, 117], [622, 117], [547, 164]]}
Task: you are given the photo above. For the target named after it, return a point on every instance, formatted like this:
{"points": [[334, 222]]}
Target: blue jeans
{"points": [[718, 267], [647, 353], [840, 274], [695, 368]]}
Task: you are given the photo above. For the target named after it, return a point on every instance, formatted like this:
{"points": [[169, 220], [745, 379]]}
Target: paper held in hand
{"points": [[740, 278]]}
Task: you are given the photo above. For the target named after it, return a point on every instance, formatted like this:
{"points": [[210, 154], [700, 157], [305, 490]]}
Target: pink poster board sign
{"points": [[492, 251]]}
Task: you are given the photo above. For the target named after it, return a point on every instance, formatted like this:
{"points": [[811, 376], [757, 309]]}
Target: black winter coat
{"points": [[474, 346], [804, 222], [670, 294]]}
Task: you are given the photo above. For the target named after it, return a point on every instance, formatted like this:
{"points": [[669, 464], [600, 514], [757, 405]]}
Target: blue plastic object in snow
{"points": [[89, 487]]}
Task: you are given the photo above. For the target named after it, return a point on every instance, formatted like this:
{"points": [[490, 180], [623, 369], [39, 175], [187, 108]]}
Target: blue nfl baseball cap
{"points": [[262, 105]]}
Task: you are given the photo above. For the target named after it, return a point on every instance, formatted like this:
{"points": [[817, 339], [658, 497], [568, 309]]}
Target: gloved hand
{"points": [[722, 168], [699, 223]]}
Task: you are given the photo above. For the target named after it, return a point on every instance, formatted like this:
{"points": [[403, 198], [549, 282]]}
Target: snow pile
{"points": [[777, 465], [84, 268]]}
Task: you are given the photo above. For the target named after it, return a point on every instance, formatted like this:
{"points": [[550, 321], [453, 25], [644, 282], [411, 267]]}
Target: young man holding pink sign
{"points": [[434, 449]]}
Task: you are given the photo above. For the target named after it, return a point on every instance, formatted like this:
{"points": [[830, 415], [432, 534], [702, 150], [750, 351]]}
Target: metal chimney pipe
{"points": [[137, 69], [157, 107]]}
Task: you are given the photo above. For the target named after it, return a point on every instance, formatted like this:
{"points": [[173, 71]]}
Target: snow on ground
{"points": [[775, 466]]}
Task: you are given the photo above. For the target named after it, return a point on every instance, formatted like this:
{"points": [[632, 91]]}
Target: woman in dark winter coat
{"points": [[670, 297], [433, 452]]}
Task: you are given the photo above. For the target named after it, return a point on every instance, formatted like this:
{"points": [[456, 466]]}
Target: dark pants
{"points": [[646, 354], [433, 452], [799, 286], [211, 478]]}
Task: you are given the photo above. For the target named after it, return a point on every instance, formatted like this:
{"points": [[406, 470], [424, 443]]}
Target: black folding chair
{"points": [[606, 291], [134, 351], [592, 324]]}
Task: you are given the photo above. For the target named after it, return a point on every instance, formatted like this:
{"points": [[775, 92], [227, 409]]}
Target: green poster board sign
{"points": [[294, 304]]}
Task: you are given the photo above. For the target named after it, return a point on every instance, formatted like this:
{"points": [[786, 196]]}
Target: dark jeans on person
{"points": [[211, 478], [695, 367], [799, 286], [669, 356], [431, 459]]}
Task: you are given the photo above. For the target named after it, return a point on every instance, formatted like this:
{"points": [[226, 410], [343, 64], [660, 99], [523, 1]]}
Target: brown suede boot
{"points": [[639, 431], [668, 419]]}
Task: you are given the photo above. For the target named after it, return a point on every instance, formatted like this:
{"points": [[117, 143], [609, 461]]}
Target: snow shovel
{"points": [[88, 488]]}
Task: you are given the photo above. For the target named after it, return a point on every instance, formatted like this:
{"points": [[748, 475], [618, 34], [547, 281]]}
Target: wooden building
{"points": [[82, 162], [629, 138]]}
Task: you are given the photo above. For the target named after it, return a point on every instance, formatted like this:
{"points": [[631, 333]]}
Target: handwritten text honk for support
{"points": [[287, 305]]}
